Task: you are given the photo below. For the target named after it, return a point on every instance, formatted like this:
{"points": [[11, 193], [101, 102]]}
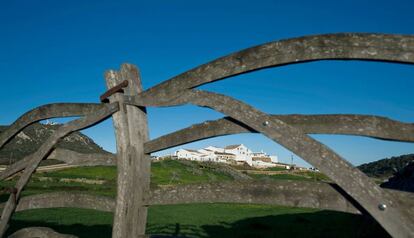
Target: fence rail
{"points": [[362, 125]]}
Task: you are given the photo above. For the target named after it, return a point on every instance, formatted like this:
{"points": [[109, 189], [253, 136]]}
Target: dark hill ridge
{"points": [[402, 180], [32, 137], [385, 168]]}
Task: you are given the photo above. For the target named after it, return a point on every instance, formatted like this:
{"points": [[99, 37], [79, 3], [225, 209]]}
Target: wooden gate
{"points": [[126, 102]]}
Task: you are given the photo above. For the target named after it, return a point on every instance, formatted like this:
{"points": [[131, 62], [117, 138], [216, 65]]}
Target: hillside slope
{"points": [[32, 137], [385, 168], [402, 180]]}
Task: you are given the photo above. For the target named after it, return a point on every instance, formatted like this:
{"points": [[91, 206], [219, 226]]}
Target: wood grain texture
{"points": [[345, 124], [132, 132], [395, 219], [357, 46], [34, 160], [133, 165]]}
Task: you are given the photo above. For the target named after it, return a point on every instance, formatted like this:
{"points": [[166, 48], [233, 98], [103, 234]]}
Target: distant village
{"points": [[232, 154]]}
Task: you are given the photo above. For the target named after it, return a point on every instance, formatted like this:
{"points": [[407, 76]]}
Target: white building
{"points": [[232, 154], [243, 154], [263, 164], [208, 155], [188, 154], [273, 158], [215, 149]]}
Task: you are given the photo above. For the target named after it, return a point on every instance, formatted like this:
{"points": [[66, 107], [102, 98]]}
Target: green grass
{"points": [[93, 172], [275, 169], [195, 220], [38, 187], [164, 173], [169, 172], [35, 187], [79, 222], [242, 220], [209, 220], [302, 176], [280, 176], [172, 172], [315, 176]]}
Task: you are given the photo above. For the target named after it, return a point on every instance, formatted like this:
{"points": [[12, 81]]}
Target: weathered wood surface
{"points": [[395, 219], [35, 159], [358, 46], [133, 165], [130, 214], [345, 124], [81, 109], [45, 112], [39, 232]]}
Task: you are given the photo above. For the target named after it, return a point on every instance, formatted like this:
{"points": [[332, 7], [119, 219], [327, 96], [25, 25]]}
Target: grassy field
{"points": [[172, 172], [276, 169], [208, 220], [195, 220], [304, 176]]}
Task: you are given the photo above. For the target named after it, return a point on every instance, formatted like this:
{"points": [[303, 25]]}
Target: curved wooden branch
{"points": [[371, 197], [358, 46], [34, 160], [45, 112], [39, 232], [21, 164], [362, 125]]}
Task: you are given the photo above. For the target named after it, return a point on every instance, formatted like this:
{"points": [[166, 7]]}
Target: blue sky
{"points": [[57, 51]]}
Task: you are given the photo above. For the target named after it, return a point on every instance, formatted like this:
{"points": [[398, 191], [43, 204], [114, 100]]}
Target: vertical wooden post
{"points": [[131, 132]]}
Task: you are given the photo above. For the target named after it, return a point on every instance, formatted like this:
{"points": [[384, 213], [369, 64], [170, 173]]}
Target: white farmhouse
{"points": [[232, 154], [188, 154], [243, 154], [227, 158], [208, 155], [273, 158], [215, 149]]}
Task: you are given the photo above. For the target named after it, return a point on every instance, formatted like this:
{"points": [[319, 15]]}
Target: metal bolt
{"points": [[265, 123], [382, 207]]}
